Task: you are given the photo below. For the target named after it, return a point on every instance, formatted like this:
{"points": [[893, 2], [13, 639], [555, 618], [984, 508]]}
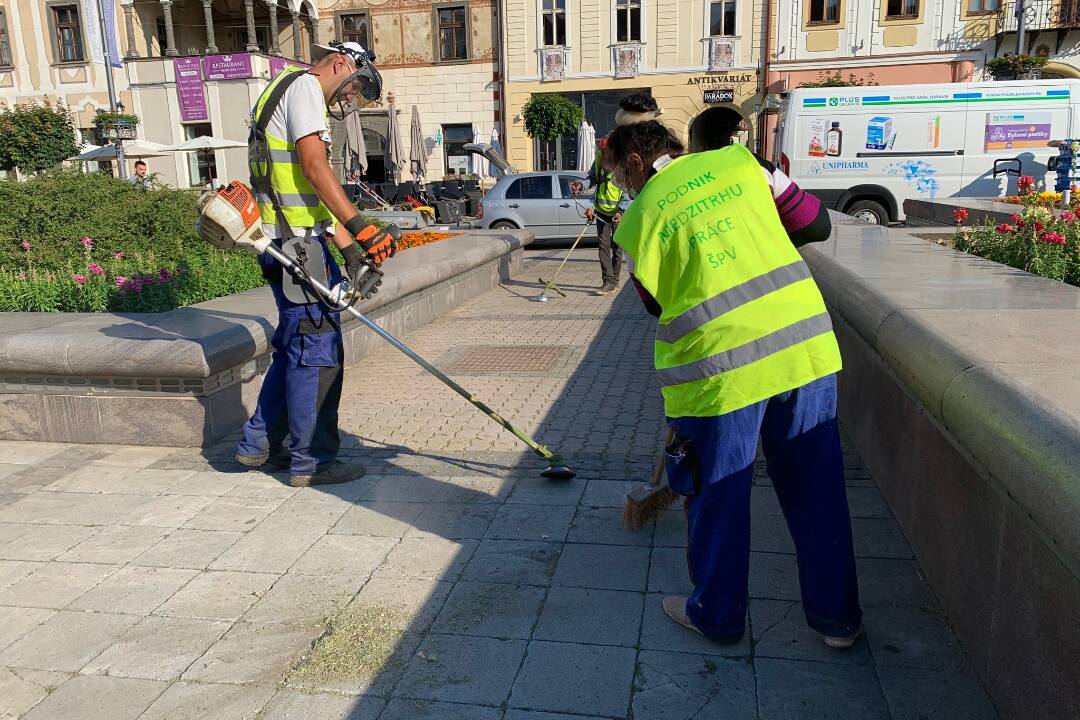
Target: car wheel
{"points": [[503, 225], [869, 212]]}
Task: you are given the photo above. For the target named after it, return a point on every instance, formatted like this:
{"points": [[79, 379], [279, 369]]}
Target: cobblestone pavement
{"points": [[451, 582]]}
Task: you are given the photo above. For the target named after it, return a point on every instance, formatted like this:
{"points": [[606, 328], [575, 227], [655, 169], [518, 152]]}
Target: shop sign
{"points": [[189, 89], [719, 95], [227, 67], [278, 64]]}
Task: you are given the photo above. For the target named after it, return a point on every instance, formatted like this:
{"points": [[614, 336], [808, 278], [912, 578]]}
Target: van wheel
{"points": [[869, 212], [503, 225]]}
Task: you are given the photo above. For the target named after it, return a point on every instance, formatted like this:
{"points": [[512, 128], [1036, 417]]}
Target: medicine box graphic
{"points": [[1012, 130], [879, 133], [816, 144]]}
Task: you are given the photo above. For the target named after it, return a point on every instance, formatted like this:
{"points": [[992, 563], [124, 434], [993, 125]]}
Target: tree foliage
{"points": [[36, 137], [827, 80], [549, 116]]}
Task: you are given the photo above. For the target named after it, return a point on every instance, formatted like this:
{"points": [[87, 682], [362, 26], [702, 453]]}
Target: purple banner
{"points": [[227, 67], [278, 64], [189, 88]]}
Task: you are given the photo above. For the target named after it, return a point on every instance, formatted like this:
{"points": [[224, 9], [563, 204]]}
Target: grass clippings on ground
{"points": [[359, 642]]}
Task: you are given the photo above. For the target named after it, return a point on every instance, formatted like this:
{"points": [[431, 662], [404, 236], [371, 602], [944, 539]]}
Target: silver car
{"points": [[551, 204]]}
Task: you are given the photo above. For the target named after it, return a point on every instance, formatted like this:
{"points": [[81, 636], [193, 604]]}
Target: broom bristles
{"points": [[645, 503]]}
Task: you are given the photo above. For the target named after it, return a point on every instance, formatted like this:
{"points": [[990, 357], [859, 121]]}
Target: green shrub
{"points": [[77, 242], [549, 116], [36, 137]]}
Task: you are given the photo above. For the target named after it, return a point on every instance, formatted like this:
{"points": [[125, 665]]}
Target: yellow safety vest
{"points": [[742, 318], [297, 198], [608, 194]]}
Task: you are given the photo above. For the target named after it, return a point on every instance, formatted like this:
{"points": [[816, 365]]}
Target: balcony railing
{"points": [[1040, 15]]}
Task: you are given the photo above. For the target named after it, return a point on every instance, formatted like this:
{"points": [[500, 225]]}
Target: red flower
{"points": [[1053, 238], [1015, 217], [960, 215], [1025, 184], [1068, 216], [1039, 227], [1005, 228]]}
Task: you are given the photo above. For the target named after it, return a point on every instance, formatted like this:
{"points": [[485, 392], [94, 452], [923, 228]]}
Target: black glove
{"points": [[363, 273]]}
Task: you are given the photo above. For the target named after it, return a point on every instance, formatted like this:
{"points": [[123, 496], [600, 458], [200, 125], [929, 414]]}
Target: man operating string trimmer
{"points": [[299, 198]]}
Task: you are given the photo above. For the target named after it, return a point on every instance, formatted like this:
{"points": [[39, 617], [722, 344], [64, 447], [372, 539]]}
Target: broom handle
{"points": [[658, 473]]}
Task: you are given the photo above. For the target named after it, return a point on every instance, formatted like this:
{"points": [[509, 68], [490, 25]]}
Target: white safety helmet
{"points": [[365, 82]]}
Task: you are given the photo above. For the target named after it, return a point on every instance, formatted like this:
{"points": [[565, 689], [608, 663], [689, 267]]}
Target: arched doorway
{"points": [[714, 128]]}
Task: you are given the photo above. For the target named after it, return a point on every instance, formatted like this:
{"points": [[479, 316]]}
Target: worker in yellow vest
{"points": [[605, 212], [744, 350], [300, 197]]}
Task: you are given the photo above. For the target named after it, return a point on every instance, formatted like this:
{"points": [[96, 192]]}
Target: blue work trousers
{"points": [[302, 387], [801, 443]]}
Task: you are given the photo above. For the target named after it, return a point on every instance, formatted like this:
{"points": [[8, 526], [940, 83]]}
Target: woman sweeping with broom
{"points": [[744, 349]]}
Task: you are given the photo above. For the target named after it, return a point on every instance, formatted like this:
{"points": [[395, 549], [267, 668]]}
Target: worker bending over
{"points": [[744, 349], [295, 424]]}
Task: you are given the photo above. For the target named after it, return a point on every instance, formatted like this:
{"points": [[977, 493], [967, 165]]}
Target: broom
{"points": [[648, 500]]}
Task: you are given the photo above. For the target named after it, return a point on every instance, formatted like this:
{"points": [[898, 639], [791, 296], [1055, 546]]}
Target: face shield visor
{"points": [[361, 88]]}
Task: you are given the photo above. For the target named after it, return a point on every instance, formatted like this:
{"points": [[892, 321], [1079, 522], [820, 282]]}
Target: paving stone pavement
{"points": [[142, 582]]}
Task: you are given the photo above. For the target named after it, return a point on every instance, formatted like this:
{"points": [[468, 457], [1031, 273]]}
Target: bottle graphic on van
{"points": [[834, 140], [933, 132]]}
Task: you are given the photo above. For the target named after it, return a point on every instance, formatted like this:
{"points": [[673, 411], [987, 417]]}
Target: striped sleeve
{"points": [[803, 216]]}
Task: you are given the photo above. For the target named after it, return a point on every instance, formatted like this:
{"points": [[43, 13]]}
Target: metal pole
{"points": [[122, 165], [1020, 27]]}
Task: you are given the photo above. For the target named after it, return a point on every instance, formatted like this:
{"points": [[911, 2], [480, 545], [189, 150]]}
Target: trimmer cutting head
{"points": [[557, 471], [540, 298]]}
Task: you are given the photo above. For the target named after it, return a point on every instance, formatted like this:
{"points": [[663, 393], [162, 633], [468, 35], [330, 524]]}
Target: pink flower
{"points": [[1005, 228], [1015, 218], [120, 281], [960, 215], [88, 242], [119, 256], [165, 275], [1053, 238], [96, 269], [1068, 216], [79, 279], [26, 245]]}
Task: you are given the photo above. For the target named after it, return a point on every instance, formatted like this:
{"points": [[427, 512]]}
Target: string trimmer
{"points": [[542, 297], [229, 218]]}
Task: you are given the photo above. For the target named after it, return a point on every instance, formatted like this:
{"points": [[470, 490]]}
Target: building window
{"points": [[5, 44], [554, 17], [68, 33], [901, 9], [202, 165], [354, 28], [455, 138], [824, 12], [453, 35], [628, 20], [722, 18], [983, 6]]}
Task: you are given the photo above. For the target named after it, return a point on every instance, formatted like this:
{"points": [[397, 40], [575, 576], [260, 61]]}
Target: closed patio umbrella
{"points": [[586, 147], [492, 170], [417, 151], [355, 149], [479, 162], [395, 154]]}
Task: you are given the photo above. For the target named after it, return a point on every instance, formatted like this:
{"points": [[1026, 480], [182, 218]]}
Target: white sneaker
{"points": [[843, 642]]}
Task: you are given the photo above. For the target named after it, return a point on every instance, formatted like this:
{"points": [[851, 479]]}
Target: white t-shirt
{"points": [[301, 112]]}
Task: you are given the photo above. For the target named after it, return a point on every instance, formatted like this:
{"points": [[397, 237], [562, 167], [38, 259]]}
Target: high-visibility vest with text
{"points": [[742, 319], [297, 198], [608, 194]]}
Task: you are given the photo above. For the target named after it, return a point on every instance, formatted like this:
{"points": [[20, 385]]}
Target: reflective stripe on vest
{"points": [[742, 319], [297, 198], [608, 193]]}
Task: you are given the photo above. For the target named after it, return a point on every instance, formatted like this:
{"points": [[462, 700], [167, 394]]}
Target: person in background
{"points": [[744, 351], [140, 178], [605, 212]]}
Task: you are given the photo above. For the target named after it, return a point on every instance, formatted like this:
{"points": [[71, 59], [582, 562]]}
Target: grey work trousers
{"points": [[610, 253]]}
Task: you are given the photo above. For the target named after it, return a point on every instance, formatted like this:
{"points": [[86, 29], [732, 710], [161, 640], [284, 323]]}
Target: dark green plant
{"points": [[102, 117], [36, 137], [1015, 64], [826, 80], [549, 116]]}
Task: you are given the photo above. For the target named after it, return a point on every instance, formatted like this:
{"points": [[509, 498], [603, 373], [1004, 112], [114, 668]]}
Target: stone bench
{"points": [[190, 376], [961, 390]]}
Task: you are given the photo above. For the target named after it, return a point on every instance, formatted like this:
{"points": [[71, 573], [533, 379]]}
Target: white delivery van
{"points": [[864, 150]]}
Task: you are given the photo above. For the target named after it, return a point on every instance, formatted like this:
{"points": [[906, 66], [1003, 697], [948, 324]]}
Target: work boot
{"points": [[843, 642], [279, 459], [607, 289], [329, 473]]}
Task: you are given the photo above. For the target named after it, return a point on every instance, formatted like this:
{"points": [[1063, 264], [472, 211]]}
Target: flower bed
{"points": [[1038, 240], [74, 242]]}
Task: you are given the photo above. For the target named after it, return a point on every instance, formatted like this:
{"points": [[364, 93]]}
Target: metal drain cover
{"points": [[506, 358]]}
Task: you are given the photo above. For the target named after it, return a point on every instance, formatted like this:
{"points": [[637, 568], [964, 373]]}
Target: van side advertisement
{"points": [[1006, 131]]}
